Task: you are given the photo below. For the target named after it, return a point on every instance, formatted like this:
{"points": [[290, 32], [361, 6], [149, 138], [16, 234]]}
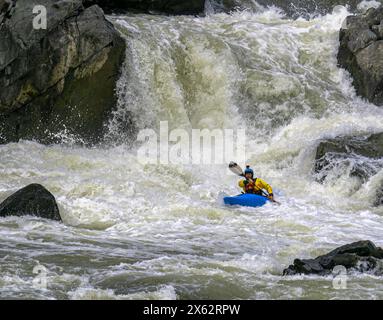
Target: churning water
{"points": [[137, 231]]}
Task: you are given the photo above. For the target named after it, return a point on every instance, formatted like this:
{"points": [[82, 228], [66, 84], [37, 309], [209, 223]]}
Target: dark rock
{"points": [[379, 197], [362, 256], [361, 248], [5, 7], [378, 29], [373, 16], [362, 40], [292, 8], [62, 78], [362, 153], [362, 156], [370, 146], [361, 53], [174, 7], [33, 200]]}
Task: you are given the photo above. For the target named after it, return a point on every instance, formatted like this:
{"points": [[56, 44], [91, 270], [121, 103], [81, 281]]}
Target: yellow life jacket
{"points": [[255, 186]]}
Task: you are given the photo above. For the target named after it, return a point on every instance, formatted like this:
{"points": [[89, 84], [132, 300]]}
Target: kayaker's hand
{"points": [[271, 197]]}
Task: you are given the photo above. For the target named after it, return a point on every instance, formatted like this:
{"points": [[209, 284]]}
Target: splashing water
{"points": [[135, 231]]}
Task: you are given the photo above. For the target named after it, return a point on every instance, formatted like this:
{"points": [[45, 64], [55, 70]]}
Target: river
{"points": [[156, 231]]}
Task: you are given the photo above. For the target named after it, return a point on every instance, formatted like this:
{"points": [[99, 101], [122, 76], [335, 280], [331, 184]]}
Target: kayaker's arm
{"points": [[264, 185]]}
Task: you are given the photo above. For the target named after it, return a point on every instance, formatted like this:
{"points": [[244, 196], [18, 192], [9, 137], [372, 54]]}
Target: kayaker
{"points": [[255, 185]]}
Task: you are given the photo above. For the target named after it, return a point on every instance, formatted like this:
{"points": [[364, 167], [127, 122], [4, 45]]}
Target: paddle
{"points": [[236, 169]]}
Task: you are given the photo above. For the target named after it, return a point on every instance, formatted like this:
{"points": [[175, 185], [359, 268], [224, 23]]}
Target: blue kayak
{"points": [[247, 200]]}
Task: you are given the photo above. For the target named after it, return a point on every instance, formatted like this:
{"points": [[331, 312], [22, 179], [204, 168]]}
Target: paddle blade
{"points": [[235, 168]]}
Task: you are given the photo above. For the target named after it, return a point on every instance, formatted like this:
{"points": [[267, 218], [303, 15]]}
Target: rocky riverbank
{"points": [[361, 53], [62, 78]]}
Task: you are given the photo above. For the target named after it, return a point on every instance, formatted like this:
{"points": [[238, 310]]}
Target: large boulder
{"points": [[362, 256], [332, 151], [362, 156], [59, 79], [361, 53], [32, 200], [173, 7], [370, 146]]}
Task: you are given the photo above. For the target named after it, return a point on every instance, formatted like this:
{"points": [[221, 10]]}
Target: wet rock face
{"points": [[61, 78], [361, 53], [361, 256], [32, 200], [361, 151], [370, 146], [174, 7], [5, 6], [292, 8], [363, 157]]}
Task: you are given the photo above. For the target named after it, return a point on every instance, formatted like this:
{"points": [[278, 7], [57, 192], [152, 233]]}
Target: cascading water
{"points": [[157, 231]]}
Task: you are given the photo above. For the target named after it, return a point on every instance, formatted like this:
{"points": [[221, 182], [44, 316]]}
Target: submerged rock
{"points": [[361, 156], [62, 78], [361, 53], [331, 152], [33, 200], [370, 146], [362, 256]]}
